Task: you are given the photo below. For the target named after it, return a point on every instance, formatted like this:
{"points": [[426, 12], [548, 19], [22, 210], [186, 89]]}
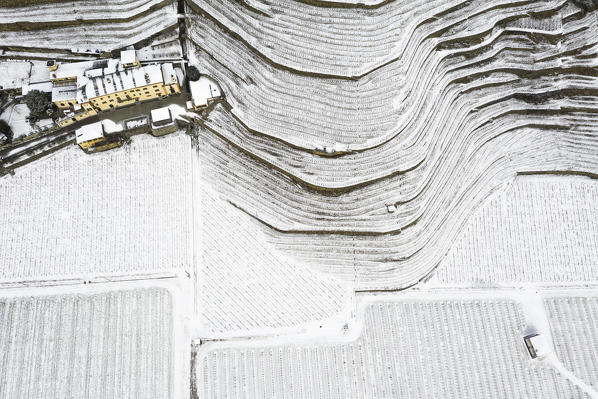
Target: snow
{"points": [[557, 365], [161, 115], [540, 345], [67, 70], [39, 71], [128, 57], [63, 93], [178, 111], [121, 212], [116, 24], [41, 86], [100, 82], [127, 212], [83, 11], [15, 116], [575, 333], [328, 75], [14, 74], [245, 287], [105, 67], [164, 46], [169, 74], [88, 132], [430, 148], [44, 123], [542, 229], [112, 340], [203, 90], [110, 126], [154, 72], [420, 345]]}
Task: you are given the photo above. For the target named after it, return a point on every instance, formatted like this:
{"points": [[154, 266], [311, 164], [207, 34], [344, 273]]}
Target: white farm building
{"points": [[203, 92]]}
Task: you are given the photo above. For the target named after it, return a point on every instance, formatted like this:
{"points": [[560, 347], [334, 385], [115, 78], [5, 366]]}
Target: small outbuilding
{"points": [[95, 137], [162, 121], [537, 345], [90, 135], [203, 92], [161, 116], [128, 59]]}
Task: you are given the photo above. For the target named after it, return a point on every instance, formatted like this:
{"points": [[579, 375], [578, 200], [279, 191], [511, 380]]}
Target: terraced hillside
{"points": [[84, 25], [361, 146], [84, 11], [376, 130]]}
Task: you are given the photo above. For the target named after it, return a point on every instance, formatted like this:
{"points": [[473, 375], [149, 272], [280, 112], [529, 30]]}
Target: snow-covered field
{"points": [[13, 74], [101, 342], [412, 346], [164, 46], [129, 212], [123, 212], [425, 108], [78, 11], [247, 287], [377, 142], [542, 229], [574, 328], [95, 36]]}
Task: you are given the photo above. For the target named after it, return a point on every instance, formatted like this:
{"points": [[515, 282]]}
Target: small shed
{"points": [[128, 58], [203, 92], [537, 345], [89, 135], [161, 116], [169, 75], [162, 121]]}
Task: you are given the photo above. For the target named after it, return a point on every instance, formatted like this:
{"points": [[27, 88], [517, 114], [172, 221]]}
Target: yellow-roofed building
{"points": [[89, 87], [90, 135]]}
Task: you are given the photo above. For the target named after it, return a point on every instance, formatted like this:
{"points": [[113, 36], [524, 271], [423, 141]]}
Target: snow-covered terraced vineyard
{"points": [[427, 108], [83, 11], [362, 145], [122, 212], [85, 25], [111, 344], [413, 348]]}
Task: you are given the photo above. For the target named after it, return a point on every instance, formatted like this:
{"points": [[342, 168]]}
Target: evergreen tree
{"points": [[5, 130], [193, 73], [39, 103]]}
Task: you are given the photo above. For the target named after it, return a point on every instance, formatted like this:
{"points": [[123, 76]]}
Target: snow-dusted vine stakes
{"points": [[298, 199]]}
